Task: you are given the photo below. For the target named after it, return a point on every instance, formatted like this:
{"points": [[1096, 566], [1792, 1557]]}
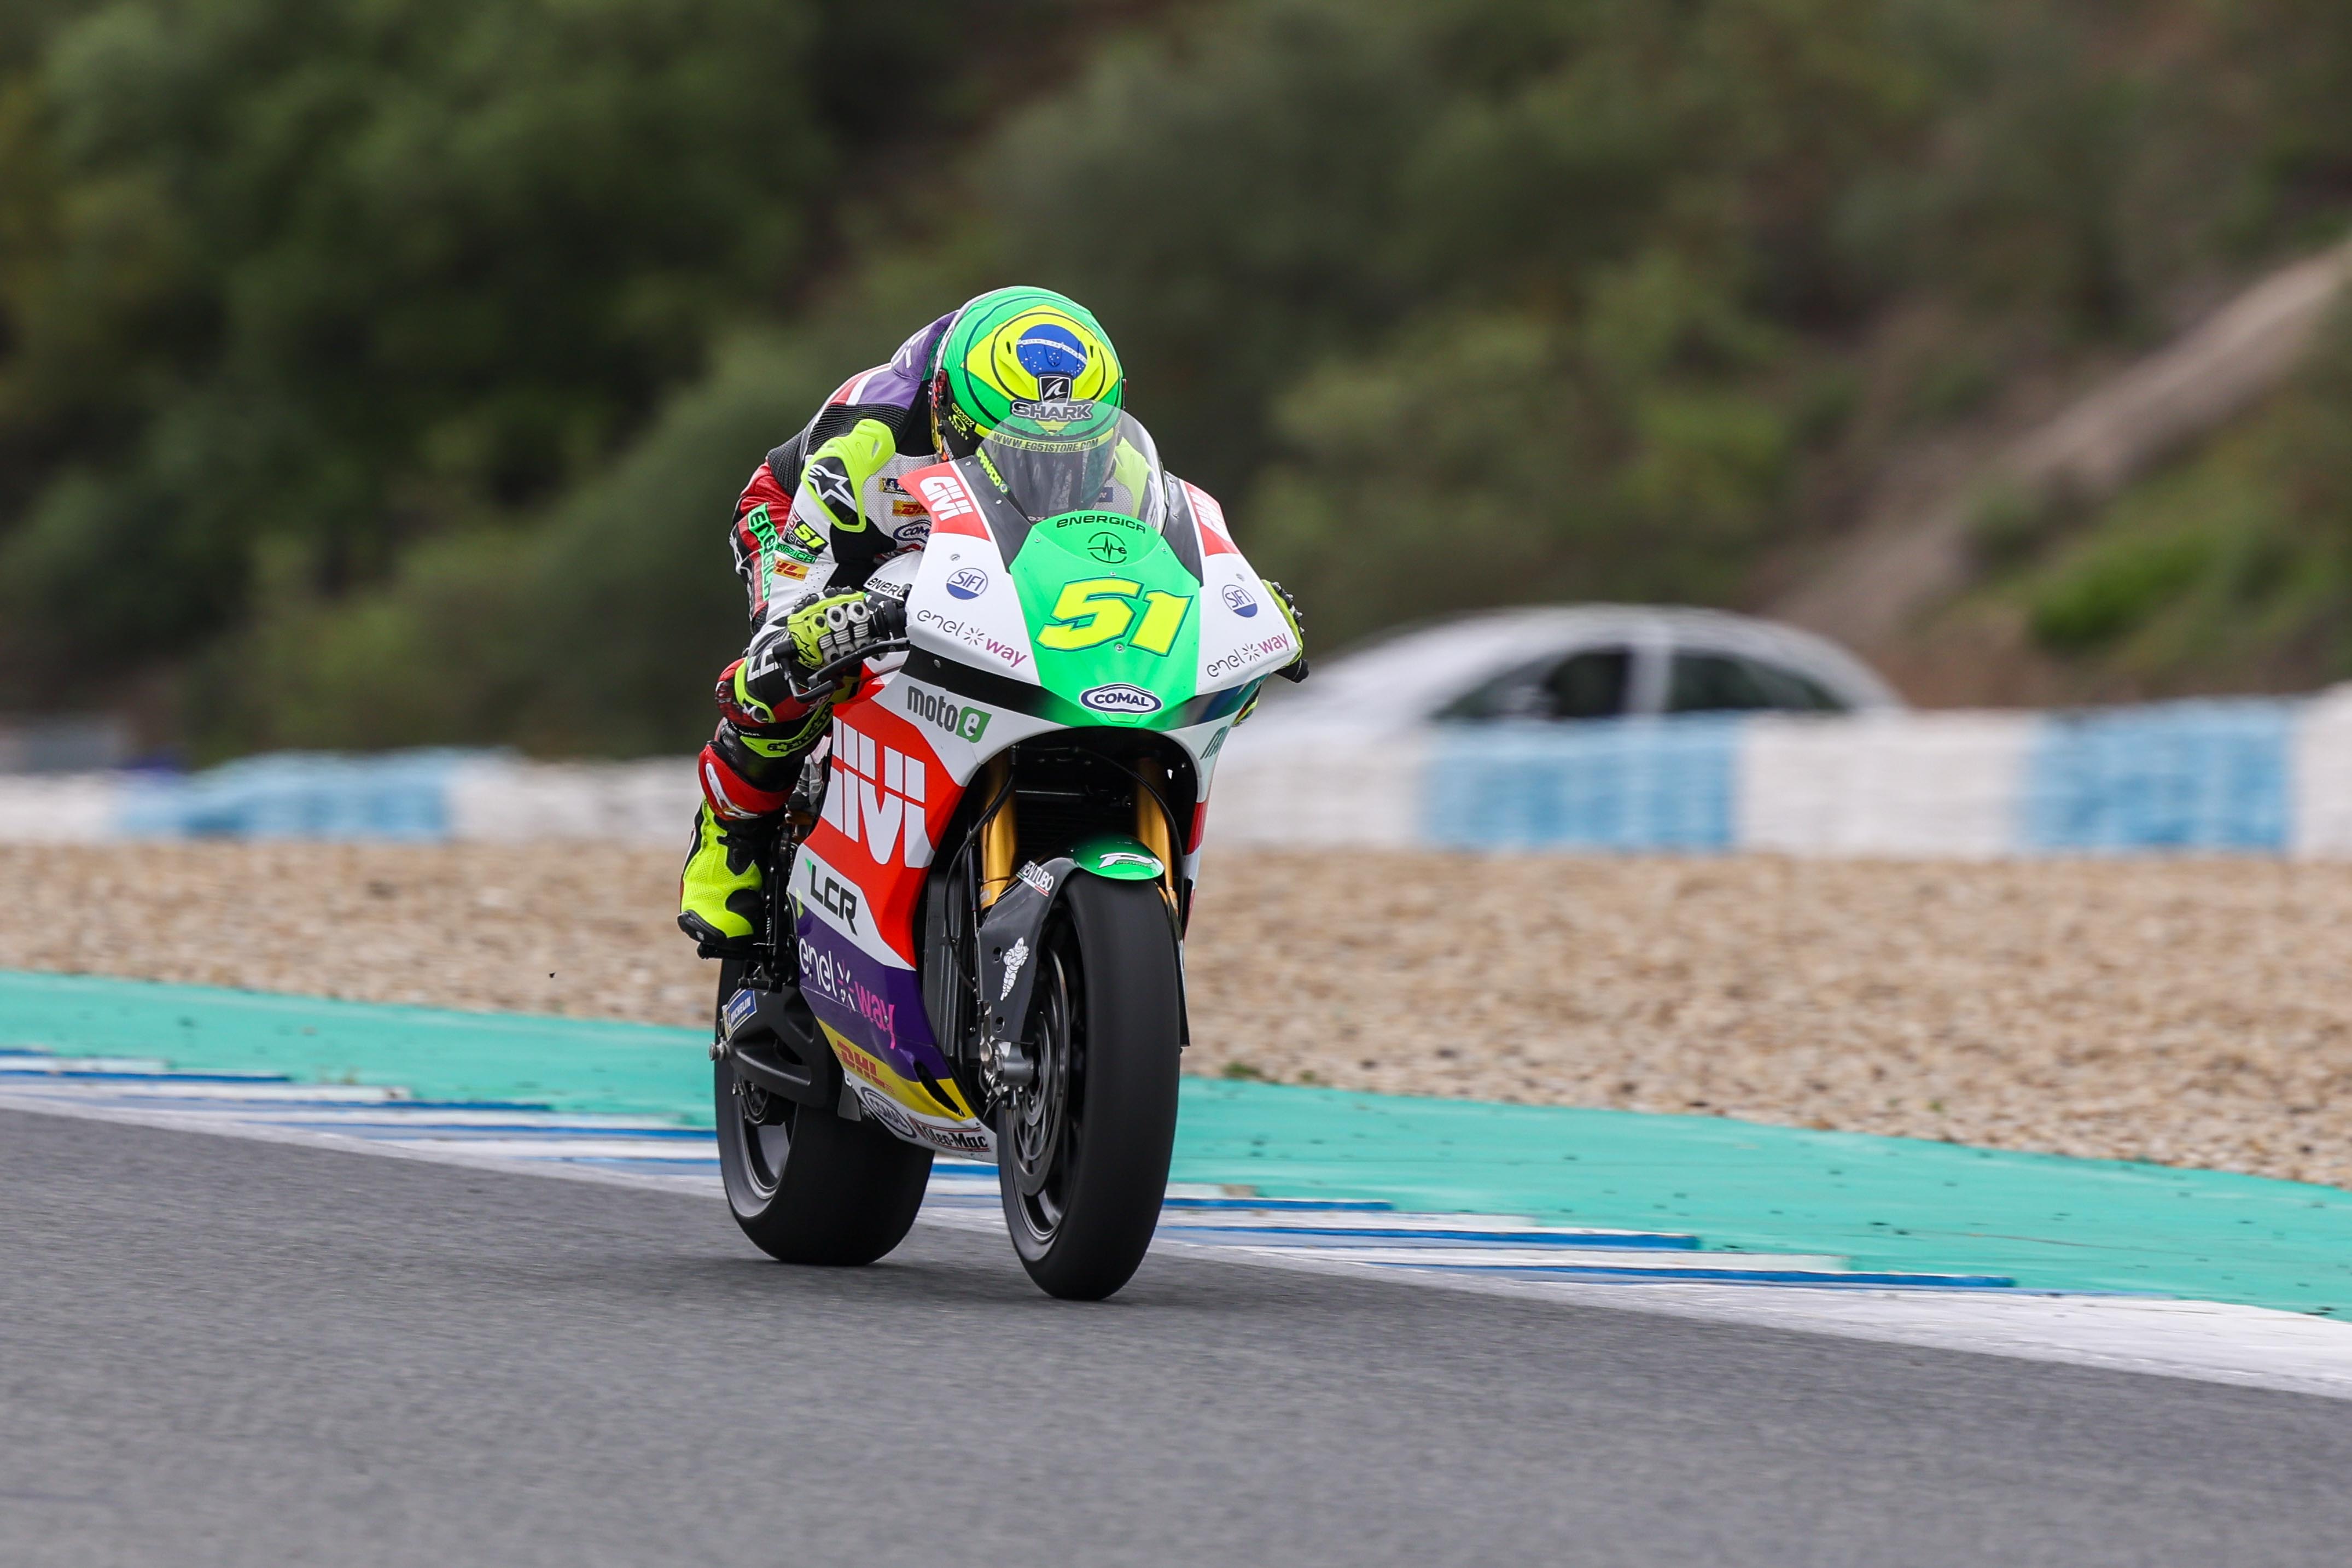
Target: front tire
{"points": [[1082, 1156], [805, 1186]]}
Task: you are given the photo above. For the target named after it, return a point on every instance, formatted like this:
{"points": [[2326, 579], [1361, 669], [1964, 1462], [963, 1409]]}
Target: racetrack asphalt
{"points": [[218, 1350]]}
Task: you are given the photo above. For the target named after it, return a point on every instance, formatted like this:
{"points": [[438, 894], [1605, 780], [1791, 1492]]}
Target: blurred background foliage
{"points": [[377, 372]]}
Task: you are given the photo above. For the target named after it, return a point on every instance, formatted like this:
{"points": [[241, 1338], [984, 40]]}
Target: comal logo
{"points": [[1119, 698], [956, 718], [970, 582], [1239, 600], [946, 498], [877, 800]]}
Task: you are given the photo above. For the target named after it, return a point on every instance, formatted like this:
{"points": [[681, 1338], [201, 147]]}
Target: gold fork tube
{"points": [[1151, 828], [999, 836]]}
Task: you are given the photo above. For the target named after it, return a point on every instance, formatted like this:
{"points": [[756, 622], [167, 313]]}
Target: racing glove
{"points": [[836, 475], [826, 631], [773, 681], [1296, 669]]}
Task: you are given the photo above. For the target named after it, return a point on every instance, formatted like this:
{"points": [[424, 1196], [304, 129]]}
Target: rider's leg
{"points": [[747, 772]]}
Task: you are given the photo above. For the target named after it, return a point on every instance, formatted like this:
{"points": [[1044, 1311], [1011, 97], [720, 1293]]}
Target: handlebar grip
{"points": [[817, 679]]}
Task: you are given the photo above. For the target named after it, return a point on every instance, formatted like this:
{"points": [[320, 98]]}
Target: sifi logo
{"points": [[1238, 601], [1120, 698], [946, 498], [933, 709], [969, 583], [876, 798]]}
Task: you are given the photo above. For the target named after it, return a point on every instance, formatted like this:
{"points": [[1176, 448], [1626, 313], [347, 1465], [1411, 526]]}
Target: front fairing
{"points": [[1020, 628]]}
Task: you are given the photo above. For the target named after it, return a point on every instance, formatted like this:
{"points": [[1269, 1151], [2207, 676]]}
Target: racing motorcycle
{"points": [[978, 943]]}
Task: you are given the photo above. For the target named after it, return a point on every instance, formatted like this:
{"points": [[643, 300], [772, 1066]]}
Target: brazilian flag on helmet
{"points": [[1026, 369]]}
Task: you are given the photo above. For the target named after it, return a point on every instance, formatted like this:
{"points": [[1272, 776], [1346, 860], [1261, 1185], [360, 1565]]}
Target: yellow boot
{"points": [[721, 892]]}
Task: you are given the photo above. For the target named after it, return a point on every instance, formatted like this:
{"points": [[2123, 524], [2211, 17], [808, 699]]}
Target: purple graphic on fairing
{"points": [[876, 1006]]}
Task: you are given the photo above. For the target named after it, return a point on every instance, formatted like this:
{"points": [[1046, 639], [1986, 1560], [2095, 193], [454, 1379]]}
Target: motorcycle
{"points": [[977, 945]]}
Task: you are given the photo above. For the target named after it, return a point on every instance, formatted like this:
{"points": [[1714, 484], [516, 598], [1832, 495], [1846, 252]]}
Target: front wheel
{"points": [[804, 1185], [1082, 1154]]}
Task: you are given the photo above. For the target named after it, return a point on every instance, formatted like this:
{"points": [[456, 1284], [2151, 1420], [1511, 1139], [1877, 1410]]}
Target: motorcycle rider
{"points": [[820, 513]]}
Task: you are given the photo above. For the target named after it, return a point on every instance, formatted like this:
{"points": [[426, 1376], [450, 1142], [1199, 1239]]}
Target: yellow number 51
{"points": [[1097, 610]]}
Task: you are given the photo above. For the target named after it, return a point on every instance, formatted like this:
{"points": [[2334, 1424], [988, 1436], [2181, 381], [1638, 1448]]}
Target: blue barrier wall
{"points": [[2177, 776], [2181, 777], [1628, 784], [398, 796]]}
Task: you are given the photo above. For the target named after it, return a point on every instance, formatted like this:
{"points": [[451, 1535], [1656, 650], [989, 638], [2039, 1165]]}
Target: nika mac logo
{"points": [[877, 800]]}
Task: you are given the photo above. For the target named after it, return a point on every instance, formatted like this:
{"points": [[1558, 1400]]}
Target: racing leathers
{"points": [[821, 514]]}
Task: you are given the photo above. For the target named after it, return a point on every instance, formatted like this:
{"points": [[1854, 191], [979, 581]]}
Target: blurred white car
{"points": [[1340, 759], [1576, 661]]}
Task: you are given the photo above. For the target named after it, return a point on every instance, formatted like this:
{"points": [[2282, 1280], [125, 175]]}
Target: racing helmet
{"points": [[1029, 375]]}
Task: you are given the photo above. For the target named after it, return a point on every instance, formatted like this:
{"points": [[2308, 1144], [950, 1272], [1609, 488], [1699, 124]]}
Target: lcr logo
{"points": [[877, 800]]}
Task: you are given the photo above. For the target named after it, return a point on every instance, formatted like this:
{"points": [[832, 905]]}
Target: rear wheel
{"points": [[804, 1185], [1082, 1154]]}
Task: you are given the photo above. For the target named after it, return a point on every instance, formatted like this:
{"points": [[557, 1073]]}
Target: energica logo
{"points": [[1119, 698], [1239, 600], [969, 583]]}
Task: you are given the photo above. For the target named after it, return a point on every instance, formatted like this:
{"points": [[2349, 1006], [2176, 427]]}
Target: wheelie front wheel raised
{"points": [[1083, 1152], [804, 1185]]}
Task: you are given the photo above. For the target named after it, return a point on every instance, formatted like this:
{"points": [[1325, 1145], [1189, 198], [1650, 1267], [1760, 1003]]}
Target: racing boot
{"points": [[722, 893]]}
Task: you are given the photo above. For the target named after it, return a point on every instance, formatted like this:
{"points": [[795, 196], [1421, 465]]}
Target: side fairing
{"points": [[964, 606], [1242, 636], [856, 887]]}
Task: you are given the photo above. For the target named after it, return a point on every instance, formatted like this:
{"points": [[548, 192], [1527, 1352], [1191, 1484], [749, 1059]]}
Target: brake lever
{"points": [[816, 680]]}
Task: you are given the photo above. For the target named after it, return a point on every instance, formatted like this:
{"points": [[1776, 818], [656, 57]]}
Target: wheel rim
{"points": [[765, 1144], [1040, 1123]]}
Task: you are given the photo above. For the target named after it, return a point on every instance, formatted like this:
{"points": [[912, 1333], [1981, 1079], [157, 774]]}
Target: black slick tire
{"points": [[807, 1186], [1116, 950]]}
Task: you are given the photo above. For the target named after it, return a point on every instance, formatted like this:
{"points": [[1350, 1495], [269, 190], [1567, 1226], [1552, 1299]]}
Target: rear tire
{"points": [[1091, 1143], [804, 1185]]}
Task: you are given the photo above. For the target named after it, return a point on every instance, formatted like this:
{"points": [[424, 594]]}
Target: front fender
{"points": [[1010, 931]]}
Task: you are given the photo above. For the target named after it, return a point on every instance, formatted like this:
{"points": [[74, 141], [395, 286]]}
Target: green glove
{"points": [[1296, 669], [837, 471], [1130, 471]]}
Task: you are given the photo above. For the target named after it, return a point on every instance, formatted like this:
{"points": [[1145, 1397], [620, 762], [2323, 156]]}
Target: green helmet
{"points": [[1025, 366]]}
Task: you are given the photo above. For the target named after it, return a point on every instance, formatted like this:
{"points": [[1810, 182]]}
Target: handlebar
{"points": [[825, 676]]}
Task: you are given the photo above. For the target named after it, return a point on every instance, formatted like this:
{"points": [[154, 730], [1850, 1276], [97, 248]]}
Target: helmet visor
{"points": [[1112, 468]]}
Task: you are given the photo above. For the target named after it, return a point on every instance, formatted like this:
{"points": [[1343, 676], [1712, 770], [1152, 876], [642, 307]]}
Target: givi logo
{"points": [[946, 498], [877, 800]]}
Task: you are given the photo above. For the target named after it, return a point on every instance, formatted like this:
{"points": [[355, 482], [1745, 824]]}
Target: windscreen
{"points": [[1109, 468]]}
